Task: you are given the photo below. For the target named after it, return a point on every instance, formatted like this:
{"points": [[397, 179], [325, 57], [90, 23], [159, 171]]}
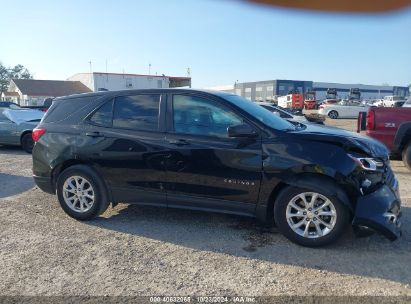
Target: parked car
{"points": [[213, 151], [289, 115], [343, 109], [16, 127], [407, 103], [369, 102], [282, 113], [44, 107], [391, 126], [391, 101], [8, 105], [379, 103]]}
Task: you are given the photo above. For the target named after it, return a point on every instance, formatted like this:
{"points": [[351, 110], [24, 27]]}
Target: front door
{"points": [[206, 169]]}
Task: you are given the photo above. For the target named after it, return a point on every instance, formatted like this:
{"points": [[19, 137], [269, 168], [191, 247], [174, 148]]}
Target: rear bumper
{"points": [[44, 183], [380, 211]]}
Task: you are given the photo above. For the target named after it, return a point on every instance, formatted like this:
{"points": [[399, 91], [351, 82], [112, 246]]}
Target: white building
{"points": [[270, 89], [117, 81]]}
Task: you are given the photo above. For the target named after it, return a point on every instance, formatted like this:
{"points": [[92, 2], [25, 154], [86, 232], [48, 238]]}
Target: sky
{"points": [[221, 41]]}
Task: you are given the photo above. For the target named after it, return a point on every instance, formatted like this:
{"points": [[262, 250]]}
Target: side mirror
{"points": [[242, 130], [276, 113]]}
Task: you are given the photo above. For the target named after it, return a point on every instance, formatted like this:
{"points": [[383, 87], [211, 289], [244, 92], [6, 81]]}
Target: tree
{"points": [[16, 72]]}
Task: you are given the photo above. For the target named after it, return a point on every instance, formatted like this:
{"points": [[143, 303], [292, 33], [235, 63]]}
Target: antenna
{"points": [[91, 70], [188, 72], [149, 69]]}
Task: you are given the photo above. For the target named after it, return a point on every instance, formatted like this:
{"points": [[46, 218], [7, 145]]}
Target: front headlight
{"points": [[368, 163]]}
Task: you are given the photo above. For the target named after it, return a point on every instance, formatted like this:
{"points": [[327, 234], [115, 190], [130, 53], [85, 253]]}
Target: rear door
{"points": [[207, 169], [125, 139]]}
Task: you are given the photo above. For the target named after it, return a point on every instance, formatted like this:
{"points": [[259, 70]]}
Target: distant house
{"points": [[32, 92], [10, 96]]}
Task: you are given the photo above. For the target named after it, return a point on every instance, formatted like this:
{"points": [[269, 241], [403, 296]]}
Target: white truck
{"points": [[389, 101]]}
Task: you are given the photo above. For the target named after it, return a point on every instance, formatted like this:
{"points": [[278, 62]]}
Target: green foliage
{"points": [[8, 73]]}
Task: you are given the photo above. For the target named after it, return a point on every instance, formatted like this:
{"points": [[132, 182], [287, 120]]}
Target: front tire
{"points": [[27, 143], [82, 193], [406, 156], [333, 114], [310, 218]]}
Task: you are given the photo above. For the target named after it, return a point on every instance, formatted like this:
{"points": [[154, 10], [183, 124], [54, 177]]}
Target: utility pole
{"points": [[149, 69], [91, 70], [189, 75], [106, 72]]}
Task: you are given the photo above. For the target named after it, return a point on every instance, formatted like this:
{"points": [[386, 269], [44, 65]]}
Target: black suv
{"points": [[213, 151]]}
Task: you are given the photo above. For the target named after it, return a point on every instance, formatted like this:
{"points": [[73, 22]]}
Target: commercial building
{"points": [[32, 92], [270, 89], [119, 81], [367, 91]]}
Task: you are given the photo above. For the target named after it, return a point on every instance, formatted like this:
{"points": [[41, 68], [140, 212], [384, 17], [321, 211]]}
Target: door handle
{"points": [[178, 142], [94, 134]]}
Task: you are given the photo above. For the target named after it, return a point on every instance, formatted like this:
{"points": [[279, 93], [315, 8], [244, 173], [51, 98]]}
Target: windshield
{"points": [[263, 115]]}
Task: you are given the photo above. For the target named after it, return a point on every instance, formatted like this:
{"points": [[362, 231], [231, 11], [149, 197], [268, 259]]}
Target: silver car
{"points": [[16, 127]]}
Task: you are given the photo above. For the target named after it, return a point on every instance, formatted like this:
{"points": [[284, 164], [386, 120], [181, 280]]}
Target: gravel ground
{"points": [[133, 250]]}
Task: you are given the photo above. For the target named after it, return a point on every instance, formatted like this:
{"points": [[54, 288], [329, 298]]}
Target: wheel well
{"points": [[60, 168], [24, 133], [405, 140], [304, 180], [72, 162], [271, 200]]}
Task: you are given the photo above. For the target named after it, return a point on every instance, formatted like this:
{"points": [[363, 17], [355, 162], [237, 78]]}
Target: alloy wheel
{"points": [[311, 215], [333, 115], [78, 194]]}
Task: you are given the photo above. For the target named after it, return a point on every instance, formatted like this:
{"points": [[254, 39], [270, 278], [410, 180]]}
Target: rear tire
{"points": [[27, 143], [82, 193], [316, 221], [333, 114], [406, 156]]}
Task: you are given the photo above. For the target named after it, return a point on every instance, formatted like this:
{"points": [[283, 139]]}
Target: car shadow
{"points": [[9, 150], [372, 256], [14, 184]]}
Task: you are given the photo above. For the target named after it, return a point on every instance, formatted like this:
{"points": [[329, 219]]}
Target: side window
{"points": [[196, 115], [103, 116], [137, 112]]}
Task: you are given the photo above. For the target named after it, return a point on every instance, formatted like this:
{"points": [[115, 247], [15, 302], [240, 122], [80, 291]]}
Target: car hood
{"points": [[24, 116], [351, 141]]}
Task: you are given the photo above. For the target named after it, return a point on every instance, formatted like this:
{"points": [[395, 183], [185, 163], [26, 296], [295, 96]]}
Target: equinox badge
{"points": [[238, 182]]}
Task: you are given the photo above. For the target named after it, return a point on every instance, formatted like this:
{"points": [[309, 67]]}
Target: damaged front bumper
{"points": [[380, 211]]}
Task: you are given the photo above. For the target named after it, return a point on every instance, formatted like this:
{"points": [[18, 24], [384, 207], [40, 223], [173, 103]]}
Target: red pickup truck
{"points": [[391, 126]]}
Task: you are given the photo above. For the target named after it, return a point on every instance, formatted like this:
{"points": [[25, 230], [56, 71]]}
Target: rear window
{"points": [[64, 108]]}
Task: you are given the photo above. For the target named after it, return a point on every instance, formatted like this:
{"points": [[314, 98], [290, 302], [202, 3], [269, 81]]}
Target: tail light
{"points": [[37, 133], [370, 120]]}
